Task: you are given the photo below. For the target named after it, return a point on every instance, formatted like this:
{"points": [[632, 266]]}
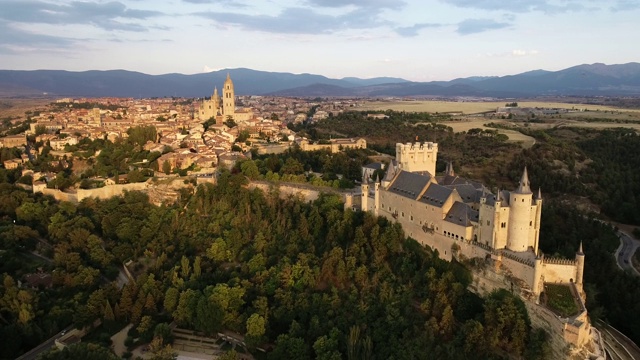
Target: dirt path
{"points": [[118, 341]]}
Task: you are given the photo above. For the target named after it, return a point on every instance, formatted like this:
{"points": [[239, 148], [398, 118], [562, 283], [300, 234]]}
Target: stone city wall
{"points": [[100, 193]]}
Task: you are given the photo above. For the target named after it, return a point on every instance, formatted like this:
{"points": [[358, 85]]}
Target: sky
{"points": [[418, 40]]}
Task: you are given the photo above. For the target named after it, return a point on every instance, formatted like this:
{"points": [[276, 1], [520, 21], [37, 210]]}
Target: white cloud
{"points": [[521, 53], [207, 69]]}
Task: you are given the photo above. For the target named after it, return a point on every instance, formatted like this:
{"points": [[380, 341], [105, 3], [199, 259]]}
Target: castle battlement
{"points": [[417, 157], [559, 261], [517, 258]]}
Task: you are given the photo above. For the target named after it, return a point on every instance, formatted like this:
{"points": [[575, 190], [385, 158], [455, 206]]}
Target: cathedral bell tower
{"points": [[228, 100]]}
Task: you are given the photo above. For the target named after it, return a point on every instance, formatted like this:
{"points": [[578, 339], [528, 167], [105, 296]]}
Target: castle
{"points": [[222, 109], [462, 219]]}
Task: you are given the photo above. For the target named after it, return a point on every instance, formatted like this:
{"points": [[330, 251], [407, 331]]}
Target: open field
{"points": [[17, 107], [473, 107], [467, 124]]}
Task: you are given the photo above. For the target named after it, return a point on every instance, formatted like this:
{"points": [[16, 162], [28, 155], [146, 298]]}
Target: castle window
{"points": [[488, 222], [411, 217], [403, 214], [522, 200], [530, 223]]}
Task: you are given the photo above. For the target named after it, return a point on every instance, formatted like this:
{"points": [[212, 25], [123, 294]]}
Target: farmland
{"points": [[474, 107]]}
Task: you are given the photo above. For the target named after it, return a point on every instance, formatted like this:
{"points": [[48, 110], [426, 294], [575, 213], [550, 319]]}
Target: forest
{"points": [[310, 280], [583, 174], [319, 168], [302, 280]]}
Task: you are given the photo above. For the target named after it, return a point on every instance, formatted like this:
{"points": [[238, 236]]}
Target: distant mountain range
{"points": [[582, 80]]}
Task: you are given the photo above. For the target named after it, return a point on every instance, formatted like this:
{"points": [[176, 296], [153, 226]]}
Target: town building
{"points": [[333, 145], [223, 108]]}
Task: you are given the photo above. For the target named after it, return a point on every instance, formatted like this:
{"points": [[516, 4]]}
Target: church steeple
{"points": [[524, 187]]}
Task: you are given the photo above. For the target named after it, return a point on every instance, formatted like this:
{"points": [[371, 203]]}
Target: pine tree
{"points": [[108, 312]]}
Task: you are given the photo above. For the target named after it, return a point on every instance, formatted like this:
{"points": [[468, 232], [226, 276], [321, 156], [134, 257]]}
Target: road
{"points": [[624, 254], [33, 353], [618, 346]]}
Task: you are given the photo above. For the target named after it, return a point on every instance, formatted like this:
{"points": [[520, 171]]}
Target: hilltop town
{"points": [[185, 136]]}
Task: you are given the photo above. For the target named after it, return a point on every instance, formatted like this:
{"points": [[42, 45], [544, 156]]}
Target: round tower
{"points": [[537, 276], [520, 223], [364, 202], [579, 267], [536, 224], [376, 196]]}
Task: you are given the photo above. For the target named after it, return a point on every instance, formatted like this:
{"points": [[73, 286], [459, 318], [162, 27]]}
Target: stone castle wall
{"points": [[100, 193], [563, 271]]}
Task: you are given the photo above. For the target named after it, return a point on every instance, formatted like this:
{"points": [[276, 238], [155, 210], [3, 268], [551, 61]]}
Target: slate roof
{"points": [[457, 180], [461, 214], [391, 170], [468, 192], [436, 195], [408, 184], [491, 200], [374, 166]]}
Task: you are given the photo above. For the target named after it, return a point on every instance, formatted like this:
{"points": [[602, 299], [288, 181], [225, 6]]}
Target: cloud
{"points": [[103, 15], [522, 6], [298, 21], [371, 4], [625, 5], [207, 69], [522, 53], [233, 3], [518, 53], [473, 26], [14, 41], [414, 30]]}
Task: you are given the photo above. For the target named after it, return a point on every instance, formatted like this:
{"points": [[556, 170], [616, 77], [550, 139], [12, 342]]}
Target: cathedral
{"points": [[223, 109], [462, 219]]}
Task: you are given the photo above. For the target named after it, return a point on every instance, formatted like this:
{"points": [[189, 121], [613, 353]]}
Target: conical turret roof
{"points": [[524, 187]]}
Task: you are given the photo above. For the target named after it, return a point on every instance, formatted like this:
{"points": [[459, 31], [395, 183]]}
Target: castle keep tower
{"points": [[579, 268], [417, 157]]}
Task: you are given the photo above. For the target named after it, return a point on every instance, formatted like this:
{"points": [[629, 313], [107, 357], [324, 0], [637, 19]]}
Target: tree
{"points": [[80, 351], [256, 327], [250, 169], [163, 331], [197, 268], [159, 351], [506, 322], [292, 166], [230, 122], [40, 129], [171, 299], [108, 312], [166, 167]]}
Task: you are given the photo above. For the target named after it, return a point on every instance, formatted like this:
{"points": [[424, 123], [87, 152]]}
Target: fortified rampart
{"points": [[101, 193], [307, 193]]}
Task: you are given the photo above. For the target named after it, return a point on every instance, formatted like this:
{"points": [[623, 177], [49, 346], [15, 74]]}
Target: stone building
{"points": [[333, 145], [462, 219], [223, 108]]}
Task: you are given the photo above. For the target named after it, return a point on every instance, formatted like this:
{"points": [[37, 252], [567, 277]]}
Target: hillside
{"points": [[582, 80]]}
